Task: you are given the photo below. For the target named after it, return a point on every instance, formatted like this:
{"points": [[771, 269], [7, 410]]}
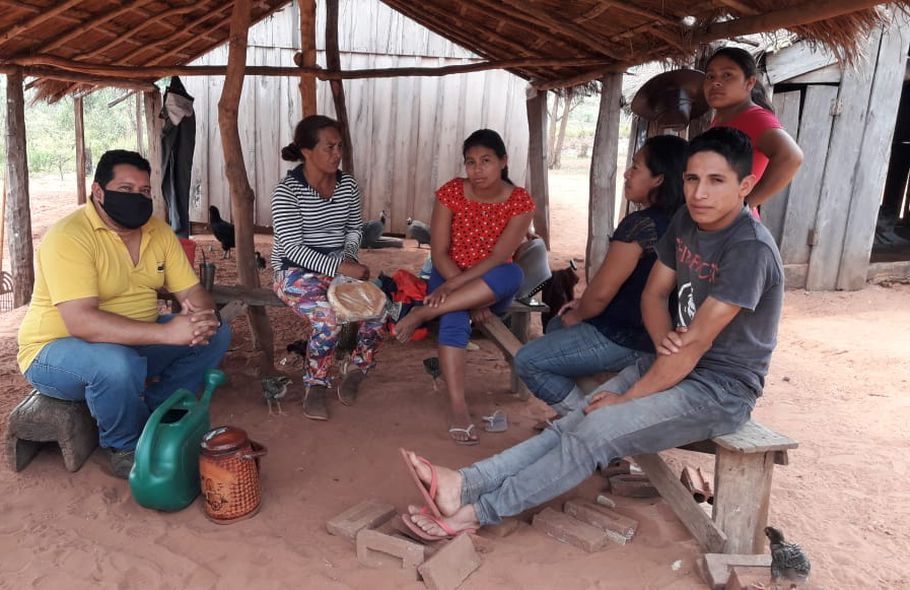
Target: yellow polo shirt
{"points": [[82, 257]]}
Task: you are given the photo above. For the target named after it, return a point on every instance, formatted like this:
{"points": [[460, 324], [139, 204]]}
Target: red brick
{"points": [[632, 486], [619, 528], [367, 514], [375, 549], [569, 530], [504, 529], [451, 565]]}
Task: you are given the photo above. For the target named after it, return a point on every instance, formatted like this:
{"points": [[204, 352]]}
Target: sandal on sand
{"points": [[496, 422], [429, 494], [314, 406], [450, 532], [469, 432]]}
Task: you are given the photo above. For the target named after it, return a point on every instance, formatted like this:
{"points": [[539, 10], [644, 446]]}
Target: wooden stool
{"points": [[40, 419]]}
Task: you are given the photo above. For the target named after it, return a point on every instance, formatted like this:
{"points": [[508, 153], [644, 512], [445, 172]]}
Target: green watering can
{"points": [[165, 474]]}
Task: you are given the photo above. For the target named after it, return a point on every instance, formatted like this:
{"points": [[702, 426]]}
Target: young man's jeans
{"points": [[550, 364], [564, 455], [110, 378]]}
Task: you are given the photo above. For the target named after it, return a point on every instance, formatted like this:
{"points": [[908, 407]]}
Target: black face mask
{"points": [[131, 210]]}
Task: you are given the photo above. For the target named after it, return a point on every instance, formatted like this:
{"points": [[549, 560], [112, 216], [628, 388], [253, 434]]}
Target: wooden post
{"points": [[80, 150], [602, 199], [333, 61], [18, 212], [537, 163], [152, 100], [308, 50], [242, 197], [140, 143]]}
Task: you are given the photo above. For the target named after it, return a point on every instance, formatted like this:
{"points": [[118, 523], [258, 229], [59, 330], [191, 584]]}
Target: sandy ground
{"points": [[839, 383]]}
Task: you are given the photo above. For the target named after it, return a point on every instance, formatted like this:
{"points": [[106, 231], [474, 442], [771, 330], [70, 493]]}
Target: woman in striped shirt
{"points": [[317, 221]]}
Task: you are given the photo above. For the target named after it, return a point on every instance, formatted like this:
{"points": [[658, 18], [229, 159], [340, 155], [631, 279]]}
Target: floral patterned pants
{"points": [[305, 293]]}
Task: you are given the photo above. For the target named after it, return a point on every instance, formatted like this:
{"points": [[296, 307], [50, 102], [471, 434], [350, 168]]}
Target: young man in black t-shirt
{"points": [[711, 359]]}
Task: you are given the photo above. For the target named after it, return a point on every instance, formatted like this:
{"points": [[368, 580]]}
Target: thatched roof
{"points": [[563, 42]]}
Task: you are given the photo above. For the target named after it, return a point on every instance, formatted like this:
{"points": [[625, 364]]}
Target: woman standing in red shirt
{"points": [[477, 224], [739, 100]]}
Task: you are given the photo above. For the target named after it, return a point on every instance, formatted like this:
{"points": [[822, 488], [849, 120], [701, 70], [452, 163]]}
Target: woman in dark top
{"points": [[603, 330]]}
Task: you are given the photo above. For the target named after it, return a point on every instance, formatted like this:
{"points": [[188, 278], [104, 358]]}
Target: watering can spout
{"points": [[213, 378]]}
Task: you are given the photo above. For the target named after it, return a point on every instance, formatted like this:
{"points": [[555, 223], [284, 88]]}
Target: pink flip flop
{"points": [[428, 494], [450, 532]]}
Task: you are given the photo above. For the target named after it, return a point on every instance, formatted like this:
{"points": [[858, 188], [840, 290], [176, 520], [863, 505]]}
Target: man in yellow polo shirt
{"points": [[92, 331]]}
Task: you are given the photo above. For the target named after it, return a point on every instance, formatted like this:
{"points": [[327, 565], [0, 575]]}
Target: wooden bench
{"points": [[743, 465], [509, 339]]}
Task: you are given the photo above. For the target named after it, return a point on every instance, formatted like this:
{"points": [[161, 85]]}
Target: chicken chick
{"points": [[787, 560], [431, 366], [273, 389]]}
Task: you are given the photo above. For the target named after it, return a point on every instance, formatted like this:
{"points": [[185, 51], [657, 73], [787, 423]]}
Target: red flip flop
{"points": [[450, 532], [428, 494]]}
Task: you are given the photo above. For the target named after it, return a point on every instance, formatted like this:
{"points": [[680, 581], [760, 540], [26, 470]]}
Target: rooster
{"points": [[260, 261], [787, 560], [558, 291], [224, 231]]}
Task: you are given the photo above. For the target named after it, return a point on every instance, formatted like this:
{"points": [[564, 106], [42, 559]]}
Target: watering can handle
{"points": [[144, 449]]}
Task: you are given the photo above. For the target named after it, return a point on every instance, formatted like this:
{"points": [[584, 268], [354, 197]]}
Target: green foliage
{"points": [[51, 129]]}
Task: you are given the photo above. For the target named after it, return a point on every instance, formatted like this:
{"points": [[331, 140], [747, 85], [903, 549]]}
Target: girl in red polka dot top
{"points": [[477, 224]]}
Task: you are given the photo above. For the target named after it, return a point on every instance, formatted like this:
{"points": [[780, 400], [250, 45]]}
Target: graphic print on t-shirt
{"points": [[686, 303]]}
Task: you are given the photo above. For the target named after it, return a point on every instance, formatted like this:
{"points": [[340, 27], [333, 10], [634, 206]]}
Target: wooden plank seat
{"points": [[509, 339], [743, 465]]}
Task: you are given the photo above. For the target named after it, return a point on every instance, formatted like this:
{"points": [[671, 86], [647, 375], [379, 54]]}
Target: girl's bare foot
{"points": [[463, 520], [405, 327], [461, 427], [448, 482]]}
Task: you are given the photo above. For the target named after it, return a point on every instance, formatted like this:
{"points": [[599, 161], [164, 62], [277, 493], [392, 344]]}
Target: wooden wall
{"points": [[825, 221], [407, 132]]}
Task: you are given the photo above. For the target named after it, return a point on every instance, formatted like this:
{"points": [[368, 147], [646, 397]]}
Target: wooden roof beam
{"points": [[81, 78], [72, 16], [543, 19], [802, 14], [531, 27], [80, 29], [519, 49], [41, 17], [224, 21], [626, 7], [133, 32], [465, 41], [63, 66], [740, 7]]}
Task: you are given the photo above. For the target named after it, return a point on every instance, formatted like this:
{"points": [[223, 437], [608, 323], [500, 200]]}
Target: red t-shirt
{"points": [[753, 121], [476, 226]]}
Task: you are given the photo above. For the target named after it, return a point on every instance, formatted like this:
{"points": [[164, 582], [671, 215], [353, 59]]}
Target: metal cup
{"points": [[207, 275]]}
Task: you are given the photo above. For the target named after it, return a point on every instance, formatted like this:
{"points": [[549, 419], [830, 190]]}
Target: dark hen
{"points": [[224, 231], [418, 230], [372, 231], [787, 559], [260, 261], [432, 367], [558, 291]]}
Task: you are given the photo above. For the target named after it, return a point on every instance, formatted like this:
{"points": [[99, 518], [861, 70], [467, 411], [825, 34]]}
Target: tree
{"points": [[567, 99]]}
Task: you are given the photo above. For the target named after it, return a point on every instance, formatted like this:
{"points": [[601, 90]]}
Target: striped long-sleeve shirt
{"points": [[313, 233]]}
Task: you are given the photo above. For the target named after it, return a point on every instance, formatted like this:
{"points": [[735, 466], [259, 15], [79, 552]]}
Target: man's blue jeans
{"points": [[541, 468], [549, 365], [111, 378]]}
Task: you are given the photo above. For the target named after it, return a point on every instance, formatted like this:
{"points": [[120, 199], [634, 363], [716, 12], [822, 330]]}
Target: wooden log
{"points": [[872, 168], [742, 489], [152, 100], [602, 198], [61, 67], [140, 142], [18, 211], [80, 149], [843, 157], [802, 202], [793, 16], [307, 10], [333, 61], [242, 198], [537, 164], [708, 534], [774, 210]]}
